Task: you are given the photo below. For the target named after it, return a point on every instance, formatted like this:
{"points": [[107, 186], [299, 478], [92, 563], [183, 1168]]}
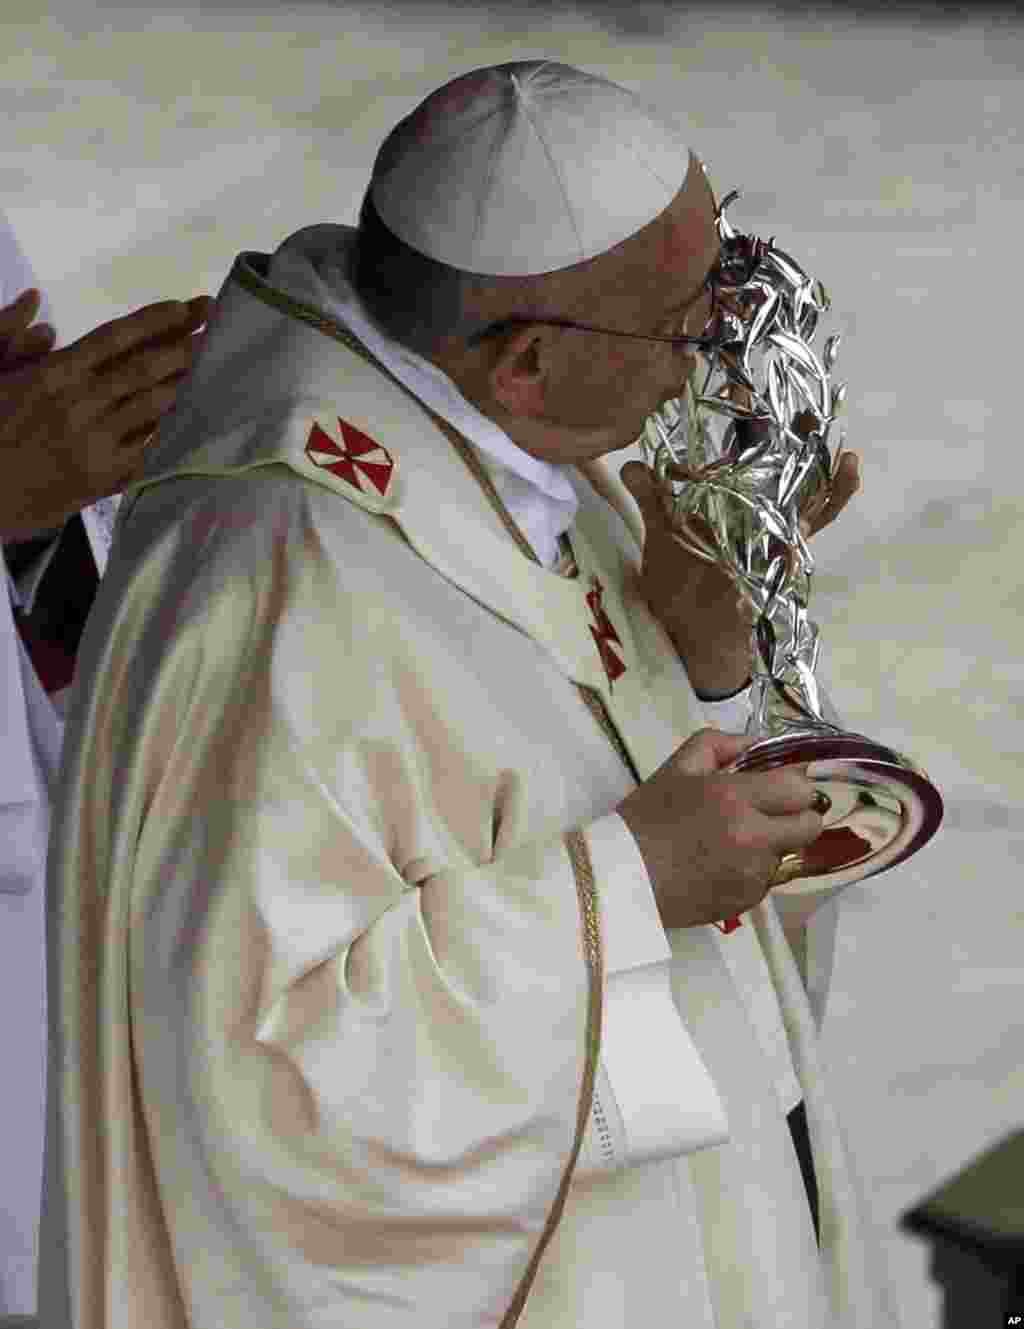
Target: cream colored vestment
{"points": [[335, 828]]}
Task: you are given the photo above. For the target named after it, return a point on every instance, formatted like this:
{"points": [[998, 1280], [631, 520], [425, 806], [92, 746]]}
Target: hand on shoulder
{"points": [[74, 423]]}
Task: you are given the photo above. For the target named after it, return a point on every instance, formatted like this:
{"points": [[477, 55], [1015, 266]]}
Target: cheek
{"points": [[610, 375], [621, 367]]}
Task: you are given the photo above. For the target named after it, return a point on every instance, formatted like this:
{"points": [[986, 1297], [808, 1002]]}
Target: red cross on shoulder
{"points": [[364, 464], [605, 635]]}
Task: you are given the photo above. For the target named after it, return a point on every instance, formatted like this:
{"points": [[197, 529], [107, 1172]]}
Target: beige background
{"points": [[145, 146]]}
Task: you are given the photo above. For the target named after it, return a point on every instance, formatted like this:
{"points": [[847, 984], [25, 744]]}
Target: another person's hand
{"points": [[74, 422], [710, 841], [19, 343]]}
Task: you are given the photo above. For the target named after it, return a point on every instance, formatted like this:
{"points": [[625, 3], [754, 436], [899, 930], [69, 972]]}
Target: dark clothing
{"points": [[52, 631], [801, 1141]]}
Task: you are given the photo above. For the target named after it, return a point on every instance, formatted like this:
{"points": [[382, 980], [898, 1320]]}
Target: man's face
{"points": [[614, 383], [565, 395]]}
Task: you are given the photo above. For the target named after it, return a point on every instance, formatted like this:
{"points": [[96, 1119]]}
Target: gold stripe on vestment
{"points": [[583, 871], [593, 699], [579, 854]]}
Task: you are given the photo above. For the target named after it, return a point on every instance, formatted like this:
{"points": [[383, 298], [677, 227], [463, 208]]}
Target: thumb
{"points": [[710, 750], [637, 479]]}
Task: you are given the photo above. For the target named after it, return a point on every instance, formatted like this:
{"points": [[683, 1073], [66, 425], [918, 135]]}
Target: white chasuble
{"points": [[363, 1015]]}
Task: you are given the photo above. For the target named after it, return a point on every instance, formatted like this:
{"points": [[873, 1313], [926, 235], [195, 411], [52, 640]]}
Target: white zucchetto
{"points": [[525, 168]]}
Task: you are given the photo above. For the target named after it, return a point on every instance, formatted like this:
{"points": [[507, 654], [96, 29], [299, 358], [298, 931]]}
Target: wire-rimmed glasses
{"points": [[709, 340]]}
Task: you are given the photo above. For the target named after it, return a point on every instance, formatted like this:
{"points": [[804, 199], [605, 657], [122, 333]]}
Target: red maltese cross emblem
{"points": [[604, 634], [362, 463]]}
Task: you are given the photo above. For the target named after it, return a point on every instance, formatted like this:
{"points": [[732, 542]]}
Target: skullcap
{"points": [[526, 168]]}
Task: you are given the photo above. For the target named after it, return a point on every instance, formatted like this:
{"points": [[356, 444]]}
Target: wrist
{"points": [[724, 696], [716, 674]]}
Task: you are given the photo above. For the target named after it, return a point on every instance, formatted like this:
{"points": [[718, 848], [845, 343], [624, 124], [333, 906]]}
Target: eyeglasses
{"points": [[706, 342]]}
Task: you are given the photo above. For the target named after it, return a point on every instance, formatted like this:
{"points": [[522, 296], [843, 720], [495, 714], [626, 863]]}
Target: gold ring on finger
{"points": [[789, 867]]}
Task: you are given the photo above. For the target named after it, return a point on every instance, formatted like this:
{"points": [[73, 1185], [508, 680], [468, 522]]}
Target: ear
{"points": [[519, 376]]}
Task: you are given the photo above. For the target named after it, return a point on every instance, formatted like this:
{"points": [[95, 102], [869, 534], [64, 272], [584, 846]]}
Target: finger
{"points": [[27, 296], [636, 477], [850, 474], [779, 792], [701, 528], [134, 450], [41, 332], [844, 486], [727, 747], [19, 313], [788, 834], [825, 507], [131, 460], [33, 341], [710, 750], [112, 341], [814, 517], [168, 361], [140, 414], [187, 336], [725, 758]]}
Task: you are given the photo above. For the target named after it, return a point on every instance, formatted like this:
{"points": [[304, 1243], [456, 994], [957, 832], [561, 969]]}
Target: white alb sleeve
{"points": [[653, 1096], [731, 715]]}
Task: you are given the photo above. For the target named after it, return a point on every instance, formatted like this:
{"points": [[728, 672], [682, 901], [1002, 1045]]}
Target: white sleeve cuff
{"points": [[731, 715], [631, 926], [653, 1097]]}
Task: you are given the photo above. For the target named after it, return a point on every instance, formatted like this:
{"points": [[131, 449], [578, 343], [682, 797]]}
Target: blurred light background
{"points": [[145, 145]]}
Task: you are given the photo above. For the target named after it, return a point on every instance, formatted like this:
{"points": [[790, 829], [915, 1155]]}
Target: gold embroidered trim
{"points": [[595, 703], [487, 484], [590, 921], [593, 699], [258, 286]]}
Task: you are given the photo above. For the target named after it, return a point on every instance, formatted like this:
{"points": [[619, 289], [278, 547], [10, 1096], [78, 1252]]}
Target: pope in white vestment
{"points": [[362, 1010]]}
